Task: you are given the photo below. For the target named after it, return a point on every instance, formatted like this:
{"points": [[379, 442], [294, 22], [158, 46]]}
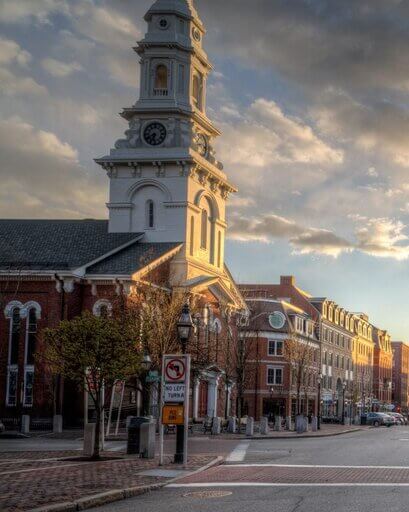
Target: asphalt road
{"points": [[362, 471]]}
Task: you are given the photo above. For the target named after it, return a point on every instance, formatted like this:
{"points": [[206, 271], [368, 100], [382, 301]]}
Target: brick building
{"points": [[166, 226], [400, 382], [382, 369]]}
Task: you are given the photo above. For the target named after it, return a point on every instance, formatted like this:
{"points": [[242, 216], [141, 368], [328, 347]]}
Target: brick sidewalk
{"points": [[29, 482]]}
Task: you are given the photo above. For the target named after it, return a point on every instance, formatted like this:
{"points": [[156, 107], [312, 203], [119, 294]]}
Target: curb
{"points": [[308, 436], [97, 500]]}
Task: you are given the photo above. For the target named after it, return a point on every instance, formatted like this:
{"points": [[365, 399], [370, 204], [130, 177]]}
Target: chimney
{"points": [[287, 280]]}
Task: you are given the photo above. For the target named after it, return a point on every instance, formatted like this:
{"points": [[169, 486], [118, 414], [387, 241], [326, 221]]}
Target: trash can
{"points": [[134, 434], [363, 419]]}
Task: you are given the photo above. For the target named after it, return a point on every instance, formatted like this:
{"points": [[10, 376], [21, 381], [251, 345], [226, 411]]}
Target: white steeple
{"points": [[164, 176]]}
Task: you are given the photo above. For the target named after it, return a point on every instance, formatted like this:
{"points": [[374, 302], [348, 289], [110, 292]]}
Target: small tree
{"points": [[93, 352], [300, 355]]}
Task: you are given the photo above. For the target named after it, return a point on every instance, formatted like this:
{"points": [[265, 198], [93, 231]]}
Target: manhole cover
{"points": [[203, 495]]}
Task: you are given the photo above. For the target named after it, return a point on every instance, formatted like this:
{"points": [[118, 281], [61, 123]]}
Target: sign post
{"points": [[174, 402]]}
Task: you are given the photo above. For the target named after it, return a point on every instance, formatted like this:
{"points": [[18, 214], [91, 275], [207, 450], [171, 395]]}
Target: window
{"points": [[325, 358], [31, 336], [102, 308], [337, 361], [197, 90], [274, 376], [161, 81], [205, 219], [181, 79], [28, 387], [275, 348], [330, 359], [150, 214], [12, 369]]}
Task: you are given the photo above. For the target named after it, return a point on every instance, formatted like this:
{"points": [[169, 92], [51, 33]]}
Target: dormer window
{"points": [[161, 81]]}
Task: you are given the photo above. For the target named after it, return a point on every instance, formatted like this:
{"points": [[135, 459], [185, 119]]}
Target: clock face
{"points": [[201, 144], [276, 320], [154, 134]]}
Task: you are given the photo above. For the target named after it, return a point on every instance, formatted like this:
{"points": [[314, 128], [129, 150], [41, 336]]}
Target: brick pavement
{"points": [[28, 484], [277, 474]]}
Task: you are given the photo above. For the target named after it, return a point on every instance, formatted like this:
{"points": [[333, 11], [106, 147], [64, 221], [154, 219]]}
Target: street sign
{"points": [[173, 415], [175, 369], [174, 393]]}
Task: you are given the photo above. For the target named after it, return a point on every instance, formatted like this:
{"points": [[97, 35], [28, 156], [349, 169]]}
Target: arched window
{"points": [[161, 81], [12, 368], [197, 90], [205, 218], [192, 236], [30, 347], [150, 214], [102, 308]]}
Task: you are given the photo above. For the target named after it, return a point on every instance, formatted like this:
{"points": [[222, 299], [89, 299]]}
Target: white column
{"points": [[212, 398], [195, 405]]}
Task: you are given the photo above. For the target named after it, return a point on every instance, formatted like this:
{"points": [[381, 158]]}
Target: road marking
{"points": [[262, 484], [310, 466], [239, 453]]}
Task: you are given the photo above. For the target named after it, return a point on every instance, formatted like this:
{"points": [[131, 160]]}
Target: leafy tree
{"points": [[93, 352]]}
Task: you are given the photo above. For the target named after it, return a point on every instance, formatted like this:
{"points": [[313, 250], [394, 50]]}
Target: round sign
{"points": [[276, 320], [175, 370]]}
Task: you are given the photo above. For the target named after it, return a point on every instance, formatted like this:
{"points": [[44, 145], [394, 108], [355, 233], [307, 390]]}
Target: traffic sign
{"points": [[174, 392], [175, 369], [173, 415]]}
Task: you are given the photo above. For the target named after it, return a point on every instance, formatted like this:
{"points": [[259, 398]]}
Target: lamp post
{"points": [[184, 326], [344, 385], [319, 378], [146, 366]]}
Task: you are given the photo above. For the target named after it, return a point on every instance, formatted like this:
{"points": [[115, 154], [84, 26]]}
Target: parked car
{"points": [[379, 418], [401, 419]]}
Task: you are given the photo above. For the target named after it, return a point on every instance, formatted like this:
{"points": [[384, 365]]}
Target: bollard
{"points": [[277, 424], [147, 440], [89, 439], [250, 426], [25, 424], [314, 424], [232, 426], [57, 424], [264, 428], [216, 426]]}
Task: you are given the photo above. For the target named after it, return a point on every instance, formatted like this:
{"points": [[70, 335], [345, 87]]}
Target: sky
{"points": [[311, 97]]}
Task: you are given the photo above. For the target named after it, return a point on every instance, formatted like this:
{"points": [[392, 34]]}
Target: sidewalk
{"points": [[327, 430], [31, 480]]}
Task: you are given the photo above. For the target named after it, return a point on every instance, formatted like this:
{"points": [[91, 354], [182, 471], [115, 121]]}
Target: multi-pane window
{"points": [[150, 214], [31, 334], [12, 368], [275, 348], [274, 376]]}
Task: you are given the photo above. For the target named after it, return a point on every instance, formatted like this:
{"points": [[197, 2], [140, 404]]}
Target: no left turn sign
{"points": [[175, 369]]}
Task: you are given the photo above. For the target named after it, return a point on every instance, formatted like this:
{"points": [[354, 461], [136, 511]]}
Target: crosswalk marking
{"points": [[239, 453]]}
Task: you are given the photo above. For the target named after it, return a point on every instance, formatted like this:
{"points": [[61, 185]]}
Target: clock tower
{"points": [[165, 180]]}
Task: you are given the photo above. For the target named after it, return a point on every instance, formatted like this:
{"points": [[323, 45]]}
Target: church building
{"points": [[167, 212]]}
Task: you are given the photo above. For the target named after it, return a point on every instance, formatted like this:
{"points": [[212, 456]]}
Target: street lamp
{"points": [[344, 385], [319, 379], [185, 327]]}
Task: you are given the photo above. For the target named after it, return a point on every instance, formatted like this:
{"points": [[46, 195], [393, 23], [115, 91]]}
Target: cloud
{"points": [[24, 11], [41, 176], [268, 136], [12, 85], [10, 52], [60, 69], [378, 237], [268, 227]]}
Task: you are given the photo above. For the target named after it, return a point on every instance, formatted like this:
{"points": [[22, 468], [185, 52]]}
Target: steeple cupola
{"points": [[165, 179]]}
